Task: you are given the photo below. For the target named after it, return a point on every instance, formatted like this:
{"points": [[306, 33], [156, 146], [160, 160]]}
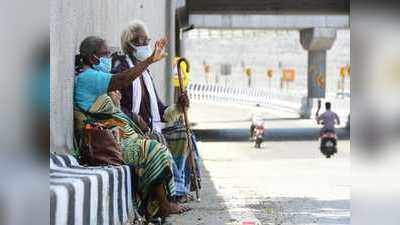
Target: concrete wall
{"points": [[70, 22]]}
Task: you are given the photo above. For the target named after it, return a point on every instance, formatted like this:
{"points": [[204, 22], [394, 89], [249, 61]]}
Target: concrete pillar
{"points": [[71, 21], [170, 34], [316, 41]]}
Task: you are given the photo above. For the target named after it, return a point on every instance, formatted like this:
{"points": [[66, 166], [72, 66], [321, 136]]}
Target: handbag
{"points": [[100, 146]]}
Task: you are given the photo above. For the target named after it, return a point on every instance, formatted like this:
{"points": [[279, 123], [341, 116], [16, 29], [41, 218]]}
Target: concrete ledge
{"points": [[89, 195]]}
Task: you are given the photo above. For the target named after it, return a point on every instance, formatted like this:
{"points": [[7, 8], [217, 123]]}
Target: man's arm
{"points": [[319, 118], [337, 119]]}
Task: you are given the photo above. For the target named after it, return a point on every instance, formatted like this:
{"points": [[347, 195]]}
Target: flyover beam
{"points": [[237, 21], [268, 6]]}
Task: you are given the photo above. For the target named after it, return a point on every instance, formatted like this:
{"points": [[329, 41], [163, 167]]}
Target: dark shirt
{"points": [[121, 64]]}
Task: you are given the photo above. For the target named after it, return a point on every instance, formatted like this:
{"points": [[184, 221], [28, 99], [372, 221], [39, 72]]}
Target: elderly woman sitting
{"points": [[140, 101], [152, 161]]}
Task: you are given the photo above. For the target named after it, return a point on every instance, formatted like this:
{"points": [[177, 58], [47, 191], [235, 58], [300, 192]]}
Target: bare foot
{"points": [[186, 208], [189, 197], [173, 208], [184, 199]]}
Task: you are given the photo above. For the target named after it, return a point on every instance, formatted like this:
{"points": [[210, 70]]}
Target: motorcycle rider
{"points": [[257, 118], [328, 118]]}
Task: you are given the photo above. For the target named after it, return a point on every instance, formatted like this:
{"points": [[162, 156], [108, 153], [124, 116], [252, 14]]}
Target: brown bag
{"points": [[100, 147]]}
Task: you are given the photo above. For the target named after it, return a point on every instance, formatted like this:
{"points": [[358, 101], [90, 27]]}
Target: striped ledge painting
{"points": [[89, 195]]}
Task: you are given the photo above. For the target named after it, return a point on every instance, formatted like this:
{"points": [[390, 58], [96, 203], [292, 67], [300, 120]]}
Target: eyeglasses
{"points": [[141, 41], [104, 54]]}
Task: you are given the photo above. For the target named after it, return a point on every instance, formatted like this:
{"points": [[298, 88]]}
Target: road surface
{"points": [[284, 182]]}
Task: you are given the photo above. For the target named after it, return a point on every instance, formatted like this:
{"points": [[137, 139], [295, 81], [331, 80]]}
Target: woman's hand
{"points": [[116, 97], [159, 51], [142, 124], [183, 101]]}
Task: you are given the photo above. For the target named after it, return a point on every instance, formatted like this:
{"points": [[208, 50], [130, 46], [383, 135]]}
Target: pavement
{"points": [[284, 182]]}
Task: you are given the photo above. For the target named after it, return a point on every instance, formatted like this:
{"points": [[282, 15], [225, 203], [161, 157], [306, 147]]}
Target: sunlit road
{"points": [[284, 182]]}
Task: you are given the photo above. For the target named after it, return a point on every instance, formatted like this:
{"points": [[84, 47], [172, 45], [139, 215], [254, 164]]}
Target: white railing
{"points": [[245, 96], [290, 100]]}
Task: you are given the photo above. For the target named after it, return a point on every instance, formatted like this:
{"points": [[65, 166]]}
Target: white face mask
{"points": [[141, 53]]}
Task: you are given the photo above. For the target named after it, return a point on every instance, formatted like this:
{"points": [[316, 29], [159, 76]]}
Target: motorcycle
{"points": [[328, 143]]}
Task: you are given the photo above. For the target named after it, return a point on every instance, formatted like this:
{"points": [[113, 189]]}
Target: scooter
{"points": [[328, 140], [258, 133]]}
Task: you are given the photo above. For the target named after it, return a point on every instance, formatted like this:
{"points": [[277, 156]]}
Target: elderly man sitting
{"points": [[141, 102]]}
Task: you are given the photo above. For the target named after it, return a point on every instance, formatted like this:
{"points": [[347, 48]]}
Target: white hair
{"points": [[130, 33]]}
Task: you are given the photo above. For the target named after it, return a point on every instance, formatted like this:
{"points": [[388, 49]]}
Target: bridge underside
{"points": [[245, 21], [263, 14], [268, 6]]}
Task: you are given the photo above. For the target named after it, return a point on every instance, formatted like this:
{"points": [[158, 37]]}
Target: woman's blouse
{"points": [[89, 85]]}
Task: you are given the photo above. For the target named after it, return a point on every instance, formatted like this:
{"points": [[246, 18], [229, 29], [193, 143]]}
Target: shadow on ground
{"points": [[211, 210], [301, 211], [273, 134]]}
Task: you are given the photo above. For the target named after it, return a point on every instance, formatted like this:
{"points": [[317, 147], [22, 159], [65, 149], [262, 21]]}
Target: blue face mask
{"points": [[104, 64], [141, 53]]}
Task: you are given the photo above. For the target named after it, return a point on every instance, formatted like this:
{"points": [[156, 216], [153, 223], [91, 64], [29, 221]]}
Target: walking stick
{"points": [[188, 131]]}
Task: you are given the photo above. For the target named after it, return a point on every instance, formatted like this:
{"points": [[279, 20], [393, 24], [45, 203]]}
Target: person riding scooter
{"points": [[258, 133], [257, 127], [328, 134]]}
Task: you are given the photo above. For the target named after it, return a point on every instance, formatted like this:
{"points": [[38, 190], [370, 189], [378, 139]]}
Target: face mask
{"points": [[104, 65], [142, 52]]}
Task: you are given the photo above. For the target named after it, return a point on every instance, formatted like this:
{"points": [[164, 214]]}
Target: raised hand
{"points": [[159, 51]]}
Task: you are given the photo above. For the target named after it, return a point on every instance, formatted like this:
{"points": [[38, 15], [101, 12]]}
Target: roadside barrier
{"points": [[89, 195], [289, 100], [244, 96]]}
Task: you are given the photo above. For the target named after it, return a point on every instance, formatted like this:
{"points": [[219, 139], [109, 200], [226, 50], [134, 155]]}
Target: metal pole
{"points": [[170, 33]]}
